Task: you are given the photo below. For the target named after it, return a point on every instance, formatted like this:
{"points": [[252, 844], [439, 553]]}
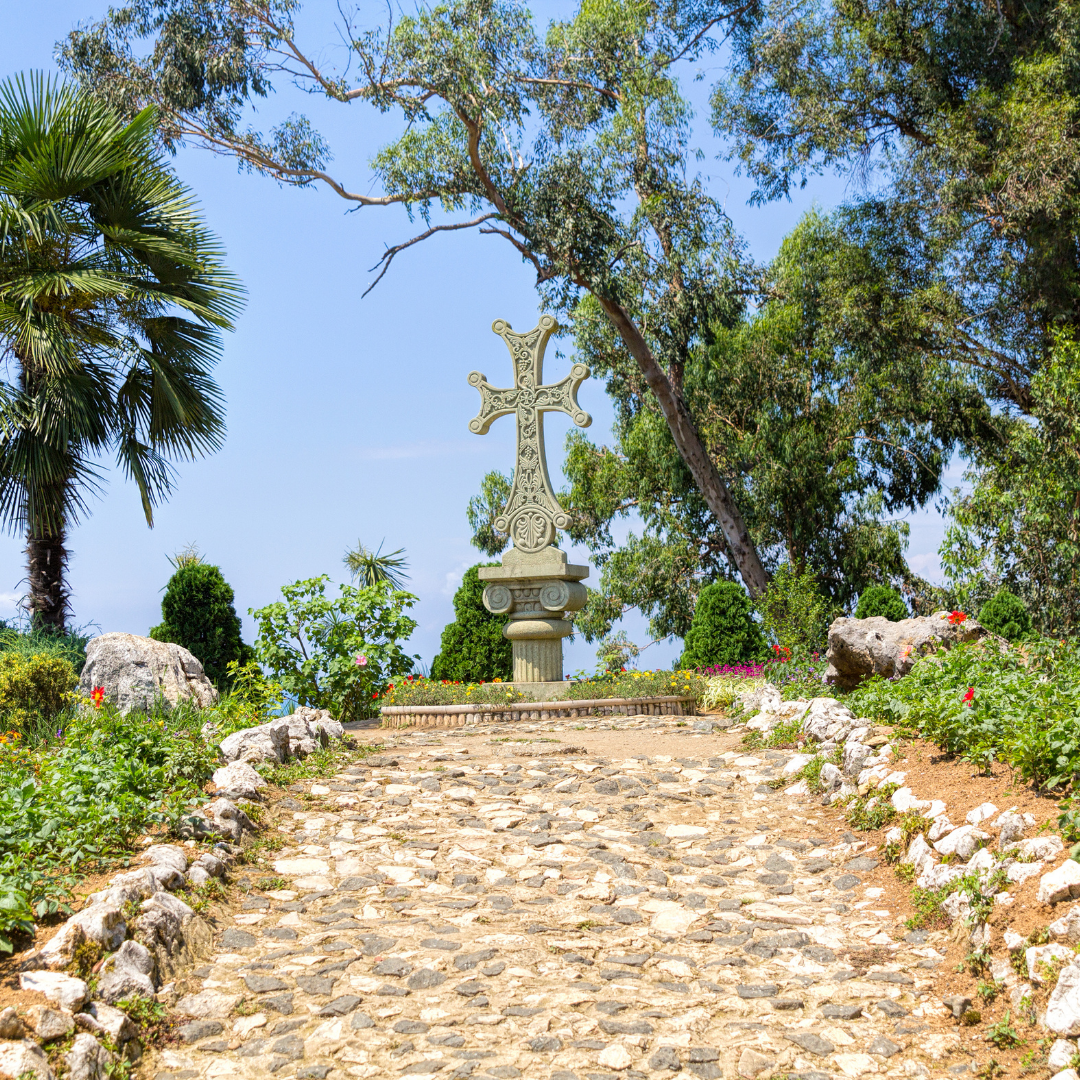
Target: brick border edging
{"points": [[449, 716]]}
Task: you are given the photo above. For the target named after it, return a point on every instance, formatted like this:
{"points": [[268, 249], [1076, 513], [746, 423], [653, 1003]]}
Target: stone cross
{"points": [[532, 513], [535, 585]]}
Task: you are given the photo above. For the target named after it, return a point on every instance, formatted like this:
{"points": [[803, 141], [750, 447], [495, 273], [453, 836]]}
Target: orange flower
{"points": [[97, 696], [957, 617]]}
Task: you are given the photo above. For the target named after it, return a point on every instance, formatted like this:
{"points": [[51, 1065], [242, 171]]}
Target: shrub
{"points": [[986, 702], [1005, 614], [473, 648], [883, 601], [723, 630], [38, 641], [197, 612], [794, 614], [34, 690], [336, 654]]}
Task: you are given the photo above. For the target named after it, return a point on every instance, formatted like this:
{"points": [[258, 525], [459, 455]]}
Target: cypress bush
{"points": [[881, 600], [473, 647], [197, 612], [1004, 613], [723, 630]]}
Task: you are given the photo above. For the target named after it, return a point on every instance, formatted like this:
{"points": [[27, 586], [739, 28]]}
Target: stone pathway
{"points": [[468, 904]]}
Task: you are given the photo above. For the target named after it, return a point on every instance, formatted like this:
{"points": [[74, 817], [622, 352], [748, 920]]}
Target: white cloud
{"points": [[928, 565], [9, 604], [453, 579]]}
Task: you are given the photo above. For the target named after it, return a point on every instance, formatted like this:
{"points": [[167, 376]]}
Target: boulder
{"points": [[962, 842], [860, 648], [24, 1058], [1010, 828], [1060, 884], [116, 1024], [175, 936], [123, 888], [135, 672], [127, 973], [238, 780], [88, 1059], [267, 742], [101, 923], [63, 990], [1063, 1008], [49, 1023], [229, 820]]}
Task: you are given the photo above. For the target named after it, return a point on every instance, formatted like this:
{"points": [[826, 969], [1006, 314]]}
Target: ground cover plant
{"points": [[987, 702], [69, 809]]}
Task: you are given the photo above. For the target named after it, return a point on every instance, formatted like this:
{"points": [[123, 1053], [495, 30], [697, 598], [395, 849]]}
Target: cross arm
{"points": [[562, 396], [493, 403]]}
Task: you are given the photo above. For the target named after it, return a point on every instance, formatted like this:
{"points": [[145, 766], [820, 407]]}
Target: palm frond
{"points": [[371, 567]]}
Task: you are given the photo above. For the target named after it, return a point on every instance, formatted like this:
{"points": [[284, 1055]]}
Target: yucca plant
{"points": [[113, 296], [370, 567]]}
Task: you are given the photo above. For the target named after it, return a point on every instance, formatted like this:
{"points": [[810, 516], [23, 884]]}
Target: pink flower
{"points": [[361, 660]]}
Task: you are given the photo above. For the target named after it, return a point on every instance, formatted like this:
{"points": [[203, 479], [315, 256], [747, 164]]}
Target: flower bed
{"points": [[448, 716]]}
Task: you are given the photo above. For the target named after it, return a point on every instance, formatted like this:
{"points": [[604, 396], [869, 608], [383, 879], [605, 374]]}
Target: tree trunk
{"points": [[688, 442], [46, 558]]}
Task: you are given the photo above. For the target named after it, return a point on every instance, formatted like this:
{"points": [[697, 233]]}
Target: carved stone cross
{"points": [[532, 513]]}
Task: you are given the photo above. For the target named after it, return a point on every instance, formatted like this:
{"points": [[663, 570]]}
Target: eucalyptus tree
{"points": [[113, 296], [574, 147]]}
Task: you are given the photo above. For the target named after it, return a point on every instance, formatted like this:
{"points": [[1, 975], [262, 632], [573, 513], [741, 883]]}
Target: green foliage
{"points": [[723, 630], [65, 810], [794, 614], [1018, 528], [121, 365], [34, 691], [882, 601], [1024, 709], [197, 612], [1006, 615], [484, 508], [615, 652], [39, 641], [1002, 1034], [416, 690], [873, 811], [371, 567], [252, 699], [337, 653], [473, 648]]}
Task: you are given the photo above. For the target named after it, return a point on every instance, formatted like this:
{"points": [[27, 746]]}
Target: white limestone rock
{"points": [[983, 859], [101, 923], [860, 648], [1019, 872], [135, 672], [1061, 1053], [903, 799], [22, 1058], [63, 990], [238, 780], [854, 756], [962, 842], [761, 699], [942, 827], [1063, 1008], [1060, 884], [1010, 828], [267, 742], [827, 720], [919, 854], [831, 777], [1038, 847], [88, 1059], [1039, 956], [1067, 926]]}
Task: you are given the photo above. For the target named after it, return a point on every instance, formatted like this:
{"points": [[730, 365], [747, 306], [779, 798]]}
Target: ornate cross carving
{"points": [[532, 513]]}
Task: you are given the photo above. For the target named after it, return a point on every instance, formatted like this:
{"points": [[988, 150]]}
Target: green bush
{"points": [[473, 648], [34, 690], [723, 630], [197, 612], [1005, 614], [883, 601], [985, 702], [336, 654], [794, 614], [38, 641]]}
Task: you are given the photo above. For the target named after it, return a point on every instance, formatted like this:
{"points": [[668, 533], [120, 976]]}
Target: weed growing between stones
{"points": [[1002, 1034], [324, 762]]}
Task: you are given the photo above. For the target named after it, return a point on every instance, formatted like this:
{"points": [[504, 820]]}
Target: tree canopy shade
{"points": [[966, 114], [112, 298], [574, 147]]}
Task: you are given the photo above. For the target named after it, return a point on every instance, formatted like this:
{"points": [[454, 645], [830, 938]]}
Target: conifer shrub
{"points": [[883, 601], [473, 648], [1005, 614], [723, 630], [197, 612]]}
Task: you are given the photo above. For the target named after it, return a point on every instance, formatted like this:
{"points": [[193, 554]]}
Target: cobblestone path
{"points": [[467, 903]]}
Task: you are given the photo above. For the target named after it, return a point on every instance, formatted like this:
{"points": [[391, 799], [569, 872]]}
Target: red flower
{"points": [[97, 696], [969, 697], [957, 617], [374, 695]]}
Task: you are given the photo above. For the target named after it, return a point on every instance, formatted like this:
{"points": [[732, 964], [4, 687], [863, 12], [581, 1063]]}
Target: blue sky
{"points": [[347, 417]]}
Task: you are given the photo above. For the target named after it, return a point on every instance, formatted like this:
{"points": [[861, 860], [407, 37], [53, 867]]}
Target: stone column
{"points": [[536, 590]]}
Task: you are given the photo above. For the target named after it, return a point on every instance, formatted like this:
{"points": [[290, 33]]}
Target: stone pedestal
{"points": [[536, 590]]}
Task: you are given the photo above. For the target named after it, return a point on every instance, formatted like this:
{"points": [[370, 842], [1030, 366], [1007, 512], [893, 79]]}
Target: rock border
{"points": [[450, 716]]}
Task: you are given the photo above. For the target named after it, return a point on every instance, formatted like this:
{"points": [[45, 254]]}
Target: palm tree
{"points": [[113, 297], [371, 567]]}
